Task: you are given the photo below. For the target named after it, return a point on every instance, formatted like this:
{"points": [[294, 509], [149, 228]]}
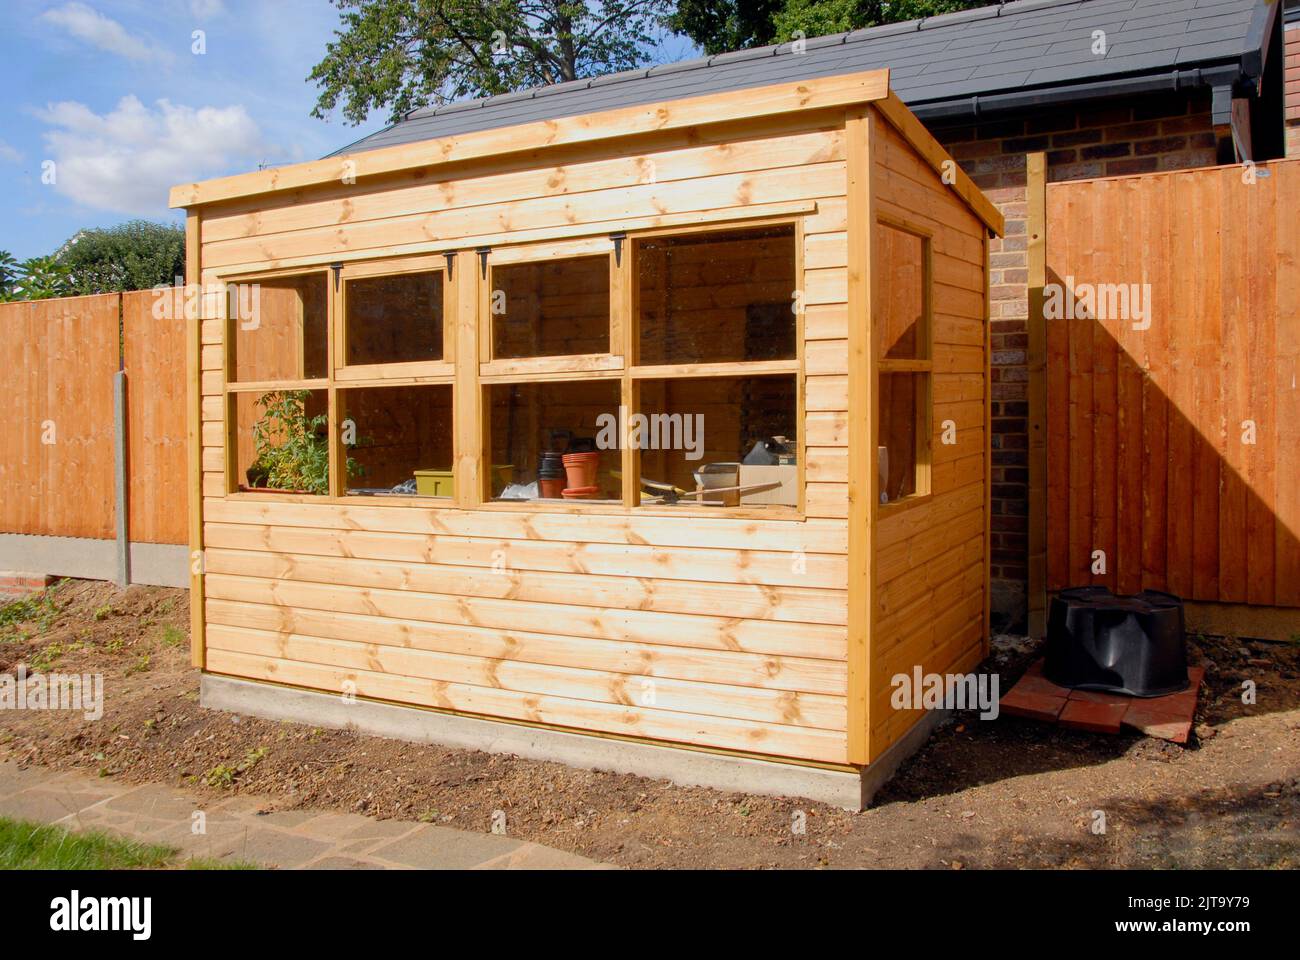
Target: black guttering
{"points": [[1225, 74]]}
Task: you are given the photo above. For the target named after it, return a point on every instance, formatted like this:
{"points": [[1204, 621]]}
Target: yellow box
{"points": [[442, 483]]}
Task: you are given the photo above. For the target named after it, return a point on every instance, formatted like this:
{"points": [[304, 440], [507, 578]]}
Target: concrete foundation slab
{"points": [[840, 788], [152, 564]]}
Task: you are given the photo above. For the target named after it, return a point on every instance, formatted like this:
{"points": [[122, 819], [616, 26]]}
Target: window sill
{"points": [[885, 510], [399, 502]]}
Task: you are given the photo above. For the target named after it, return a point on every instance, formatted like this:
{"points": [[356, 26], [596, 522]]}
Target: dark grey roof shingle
{"points": [[1014, 46]]}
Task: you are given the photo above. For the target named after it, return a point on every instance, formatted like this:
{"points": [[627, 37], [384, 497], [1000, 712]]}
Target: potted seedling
{"points": [[291, 449]]}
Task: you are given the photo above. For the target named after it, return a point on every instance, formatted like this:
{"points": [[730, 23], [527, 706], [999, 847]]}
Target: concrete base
{"points": [[154, 564], [839, 788], [1240, 620]]}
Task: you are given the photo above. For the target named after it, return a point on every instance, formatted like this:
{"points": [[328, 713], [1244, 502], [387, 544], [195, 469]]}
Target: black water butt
{"points": [[1125, 644]]}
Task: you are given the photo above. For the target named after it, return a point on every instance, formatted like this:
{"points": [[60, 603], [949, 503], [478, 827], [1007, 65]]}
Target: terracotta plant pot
{"points": [[581, 469], [582, 493], [550, 489]]}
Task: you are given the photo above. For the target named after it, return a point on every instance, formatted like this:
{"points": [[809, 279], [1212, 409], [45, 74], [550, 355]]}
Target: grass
{"points": [[207, 863], [32, 846], [39, 610]]}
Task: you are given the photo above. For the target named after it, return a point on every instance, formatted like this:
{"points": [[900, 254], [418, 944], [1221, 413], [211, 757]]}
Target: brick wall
{"points": [[15, 586], [1291, 51], [1142, 136]]}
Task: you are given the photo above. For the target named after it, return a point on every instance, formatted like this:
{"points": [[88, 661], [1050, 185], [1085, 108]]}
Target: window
{"points": [[397, 441], [555, 440], [659, 371], [278, 330], [280, 441], [393, 319], [719, 441], [903, 363], [366, 412], [717, 296], [716, 398], [550, 308]]}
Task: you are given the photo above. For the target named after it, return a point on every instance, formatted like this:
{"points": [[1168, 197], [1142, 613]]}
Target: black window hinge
{"points": [[337, 268], [618, 239], [450, 257], [482, 259]]}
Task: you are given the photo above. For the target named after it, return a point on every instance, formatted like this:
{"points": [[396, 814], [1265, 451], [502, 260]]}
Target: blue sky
{"points": [[112, 92]]}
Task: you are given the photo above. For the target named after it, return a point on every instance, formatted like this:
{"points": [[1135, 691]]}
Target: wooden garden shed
{"points": [[652, 438]]}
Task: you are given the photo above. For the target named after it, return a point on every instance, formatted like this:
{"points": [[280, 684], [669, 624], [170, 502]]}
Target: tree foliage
{"points": [[721, 25], [137, 255], [401, 55], [8, 274], [40, 278]]}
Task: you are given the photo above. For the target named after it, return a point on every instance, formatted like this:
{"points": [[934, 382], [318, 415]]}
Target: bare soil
{"points": [[1001, 793]]}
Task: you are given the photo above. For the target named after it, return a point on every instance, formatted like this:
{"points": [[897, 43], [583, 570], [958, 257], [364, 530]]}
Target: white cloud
{"points": [[9, 154], [100, 31], [127, 159]]}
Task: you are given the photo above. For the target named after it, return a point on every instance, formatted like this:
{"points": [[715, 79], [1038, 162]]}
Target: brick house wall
{"points": [[1141, 135], [1291, 53]]}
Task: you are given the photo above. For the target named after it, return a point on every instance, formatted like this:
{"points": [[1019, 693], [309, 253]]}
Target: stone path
{"points": [[235, 830]]}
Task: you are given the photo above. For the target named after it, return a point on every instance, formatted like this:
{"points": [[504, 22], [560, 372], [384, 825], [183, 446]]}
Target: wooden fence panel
{"points": [[154, 361], [56, 452], [1174, 430]]}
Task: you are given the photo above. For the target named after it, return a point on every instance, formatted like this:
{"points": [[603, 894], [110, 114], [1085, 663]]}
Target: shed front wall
{"points": [[739, 622]]}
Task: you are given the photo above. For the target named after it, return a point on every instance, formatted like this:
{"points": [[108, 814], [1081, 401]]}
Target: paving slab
{"points": [[442, 846], [247, 827], [343, 863], [534, 856], [1168, 717]]}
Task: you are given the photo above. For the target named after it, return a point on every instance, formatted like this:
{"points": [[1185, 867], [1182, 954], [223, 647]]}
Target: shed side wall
{"points": [[929, 588]]}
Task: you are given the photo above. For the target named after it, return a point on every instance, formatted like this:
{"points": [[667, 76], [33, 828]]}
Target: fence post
{"points": [[1036, 361], [119, 480]]}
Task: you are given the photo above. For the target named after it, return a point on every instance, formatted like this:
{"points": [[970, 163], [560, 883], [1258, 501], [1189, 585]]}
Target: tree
{"points": [[722, 25], [8, 274], [40, 278], [137, 255], [406, 54]]}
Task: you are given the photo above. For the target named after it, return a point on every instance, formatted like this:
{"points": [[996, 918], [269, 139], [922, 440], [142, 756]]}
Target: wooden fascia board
{"points": [[930, 150], [837, 91]]}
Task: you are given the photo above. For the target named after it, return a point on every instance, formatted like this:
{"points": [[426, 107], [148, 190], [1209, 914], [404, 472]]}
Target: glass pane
{"points": [[552, 308], [717, 297], [900, 319], [398, 440], [730, 441], [279, 329], [281, 441], [394, 319], [534, 427], [901, 396]]}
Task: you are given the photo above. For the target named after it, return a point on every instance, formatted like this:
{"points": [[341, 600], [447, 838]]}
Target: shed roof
{"points": [[1013, 47]]}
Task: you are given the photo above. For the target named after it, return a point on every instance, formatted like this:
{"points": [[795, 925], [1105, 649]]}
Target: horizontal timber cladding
{"points": [[712, 631], [930, 556]]}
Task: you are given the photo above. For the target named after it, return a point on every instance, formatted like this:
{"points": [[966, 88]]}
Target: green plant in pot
{"points": [[292, 449]]}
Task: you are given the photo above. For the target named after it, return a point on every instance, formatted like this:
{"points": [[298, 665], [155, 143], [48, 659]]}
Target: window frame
{"points": [[922, 367], [341, 378], [343, 372], [482, 371]]}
